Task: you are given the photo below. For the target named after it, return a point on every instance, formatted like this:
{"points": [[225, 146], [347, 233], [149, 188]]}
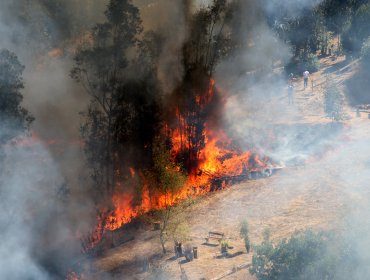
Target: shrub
{"points": [[333, 101], [244, 233], [303, 256], [244, 229]]}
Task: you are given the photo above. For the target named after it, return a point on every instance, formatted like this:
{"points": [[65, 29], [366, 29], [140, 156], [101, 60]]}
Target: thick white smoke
{"points": [[28, 199]]}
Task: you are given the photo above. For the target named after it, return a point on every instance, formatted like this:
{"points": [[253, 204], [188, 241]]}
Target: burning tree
{"points": [[122, 112], [194, 102], [122, 117], [127, 114]]}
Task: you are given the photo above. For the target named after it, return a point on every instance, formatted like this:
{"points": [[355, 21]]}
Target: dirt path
{"points": [[308, 104]]}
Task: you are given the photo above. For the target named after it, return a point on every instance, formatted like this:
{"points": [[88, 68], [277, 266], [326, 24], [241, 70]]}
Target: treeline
{"points": [[311, 31], [130, 113], [131, 118]]}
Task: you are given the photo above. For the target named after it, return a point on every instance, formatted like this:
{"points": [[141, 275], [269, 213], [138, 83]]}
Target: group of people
{"points": [[291, 81]]}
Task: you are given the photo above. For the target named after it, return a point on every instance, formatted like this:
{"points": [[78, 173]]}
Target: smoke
{"points": [[291, 8], [255, 80], [168, 18], [43, 35], [257, 108], [38, 233], [32, 221]]}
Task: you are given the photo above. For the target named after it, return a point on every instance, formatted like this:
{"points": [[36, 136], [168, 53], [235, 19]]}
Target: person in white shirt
{"points": [[306, 75]]}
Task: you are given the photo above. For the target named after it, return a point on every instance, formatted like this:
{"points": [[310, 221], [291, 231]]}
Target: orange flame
{"points": [[218, 159]]}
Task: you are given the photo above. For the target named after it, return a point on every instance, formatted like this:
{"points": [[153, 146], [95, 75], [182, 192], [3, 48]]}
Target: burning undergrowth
{"points": [[198, 147], [128, 116]]}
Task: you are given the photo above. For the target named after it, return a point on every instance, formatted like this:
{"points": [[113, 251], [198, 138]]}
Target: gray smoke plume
{"points": [[37, 177], [168, 18], [28, 204]]}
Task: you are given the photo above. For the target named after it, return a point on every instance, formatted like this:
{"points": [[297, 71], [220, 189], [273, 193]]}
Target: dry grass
{"points": [[315, 196]]}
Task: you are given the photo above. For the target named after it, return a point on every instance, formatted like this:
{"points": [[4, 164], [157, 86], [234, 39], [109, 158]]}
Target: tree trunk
{"points": [[161, 238]]}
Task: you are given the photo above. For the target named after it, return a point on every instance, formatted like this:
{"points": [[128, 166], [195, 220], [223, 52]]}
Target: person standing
{"points": [[306, 75]]}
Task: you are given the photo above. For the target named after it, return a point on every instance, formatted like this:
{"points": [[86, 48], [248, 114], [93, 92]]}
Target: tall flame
{"points": [[217, 160]]}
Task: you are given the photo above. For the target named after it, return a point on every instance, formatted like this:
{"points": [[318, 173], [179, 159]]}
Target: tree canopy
{"points": [[14, 119]]}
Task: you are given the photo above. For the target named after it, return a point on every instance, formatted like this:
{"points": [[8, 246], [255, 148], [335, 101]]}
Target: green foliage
{"points": [[244, 233], [303, 256], [337, 14], [165, 176], [247, 244], [304, 32], [358, 30], [312, 256], [123, 115], [180, 232], [224, 243], [333, 101], [209, 41], [14, 118]]}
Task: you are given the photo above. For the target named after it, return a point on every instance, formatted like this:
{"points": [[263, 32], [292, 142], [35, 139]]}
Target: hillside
{"points": [[135, 134], [316, 194]]}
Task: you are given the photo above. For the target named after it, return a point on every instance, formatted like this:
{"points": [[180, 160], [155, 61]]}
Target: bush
{"points": [[244, 233], [303, 256], [333, 101]]}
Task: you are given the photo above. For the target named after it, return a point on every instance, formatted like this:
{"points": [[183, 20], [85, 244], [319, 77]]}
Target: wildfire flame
{"points": [[217, 160]]}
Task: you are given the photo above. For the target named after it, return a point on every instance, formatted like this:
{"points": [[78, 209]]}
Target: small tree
{"points": [[244, 233], [333, 101], [165, 180], [178, 229]]}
